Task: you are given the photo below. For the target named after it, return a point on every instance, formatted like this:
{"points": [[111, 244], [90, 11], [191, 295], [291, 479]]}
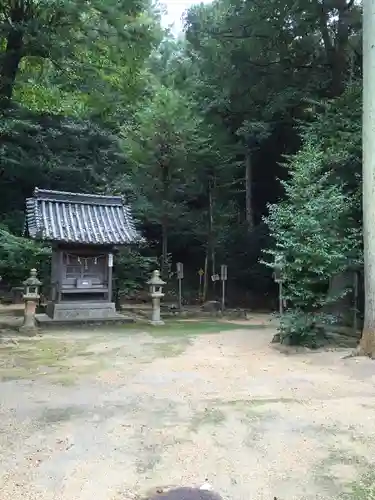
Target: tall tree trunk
{"points": [[205, 281], [165, 219], [164, 250], [343, 306], [210, 246], [248, 191], [339, 56], [336, 53], [210, 236], [336, 48], [12, 55], [367, 344], [10, 62]]}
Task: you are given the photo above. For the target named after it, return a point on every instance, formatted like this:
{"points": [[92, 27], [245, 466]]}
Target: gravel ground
{"points": [[111, 415]]}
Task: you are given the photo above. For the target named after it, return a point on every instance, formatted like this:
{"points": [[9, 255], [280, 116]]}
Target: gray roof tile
{"points": [[79, 218]]}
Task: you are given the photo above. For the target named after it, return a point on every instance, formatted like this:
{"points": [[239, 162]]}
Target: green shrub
{"points": [[132, 270], [317, 227], [298, 327], [19, 255]]}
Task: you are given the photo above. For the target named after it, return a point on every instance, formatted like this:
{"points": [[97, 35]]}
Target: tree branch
{"points": [[238, 36], [324, 30], [350, 4]]}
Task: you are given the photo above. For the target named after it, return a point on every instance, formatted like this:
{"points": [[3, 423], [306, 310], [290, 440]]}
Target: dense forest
{"points": [[235, 143]]}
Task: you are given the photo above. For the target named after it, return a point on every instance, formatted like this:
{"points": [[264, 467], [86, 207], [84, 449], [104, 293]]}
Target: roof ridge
{"points": [[70, 197]]}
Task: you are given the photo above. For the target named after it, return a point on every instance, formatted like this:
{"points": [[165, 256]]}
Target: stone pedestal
{"points": [[29, 325], [65, 311], [31, 298], [155, 317]]}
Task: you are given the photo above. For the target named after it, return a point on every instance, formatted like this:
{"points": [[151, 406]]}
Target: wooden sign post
{"points": [[223, 278], [201, 274], [278, 277], [180, 277]]}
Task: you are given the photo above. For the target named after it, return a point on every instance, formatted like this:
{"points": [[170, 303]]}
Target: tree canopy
{"points": [[235, 142]]}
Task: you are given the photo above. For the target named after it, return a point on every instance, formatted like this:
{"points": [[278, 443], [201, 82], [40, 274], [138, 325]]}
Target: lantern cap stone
{"points": [[155, 279], [32, 280]]}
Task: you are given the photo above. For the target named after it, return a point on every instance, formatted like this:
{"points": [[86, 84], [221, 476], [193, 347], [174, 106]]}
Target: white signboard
{"points": [[180, 270], [110, 260], [223, 273]]}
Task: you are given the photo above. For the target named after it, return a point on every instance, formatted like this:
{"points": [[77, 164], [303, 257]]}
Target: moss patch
{"points": [[176, 328], [64, 379], [54, 356], [171, 348], [337, 472], [37, 357], [209, 416], [362, 489], [64, 414], [251, 403]]}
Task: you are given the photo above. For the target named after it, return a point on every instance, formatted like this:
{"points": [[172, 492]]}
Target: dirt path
{"points": [[109, 416]]}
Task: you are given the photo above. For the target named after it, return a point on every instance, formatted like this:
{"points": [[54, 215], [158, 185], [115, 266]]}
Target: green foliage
{"points": [[270, 55], [316, 227], [133, 270], [52, 152], [18, 256], [158, 143], [242, 253], [98, 106], [94, 49], [310, 228], [302, 328]]}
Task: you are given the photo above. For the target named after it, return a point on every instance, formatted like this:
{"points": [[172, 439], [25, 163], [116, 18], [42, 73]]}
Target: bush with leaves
{"points": [[133, 268], [19, 255], [316, 228], [51, 152], [298, 327]]}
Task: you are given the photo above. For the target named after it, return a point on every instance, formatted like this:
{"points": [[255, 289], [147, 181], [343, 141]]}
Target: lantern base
{"points": [[157, 322], [29, 331], [44, 321]]}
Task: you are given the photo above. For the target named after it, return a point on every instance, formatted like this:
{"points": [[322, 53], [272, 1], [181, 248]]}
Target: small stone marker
{"points": [[211, 306]]}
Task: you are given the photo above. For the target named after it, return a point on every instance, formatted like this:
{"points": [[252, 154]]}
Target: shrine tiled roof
{"points": [[79, 218]]}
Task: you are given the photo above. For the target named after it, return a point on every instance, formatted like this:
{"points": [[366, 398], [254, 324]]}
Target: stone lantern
{"points": [[156, 293], [31, 298]]}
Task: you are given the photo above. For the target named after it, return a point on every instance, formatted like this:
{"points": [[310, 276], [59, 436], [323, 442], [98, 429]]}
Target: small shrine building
{"points": [[84, 231]]}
